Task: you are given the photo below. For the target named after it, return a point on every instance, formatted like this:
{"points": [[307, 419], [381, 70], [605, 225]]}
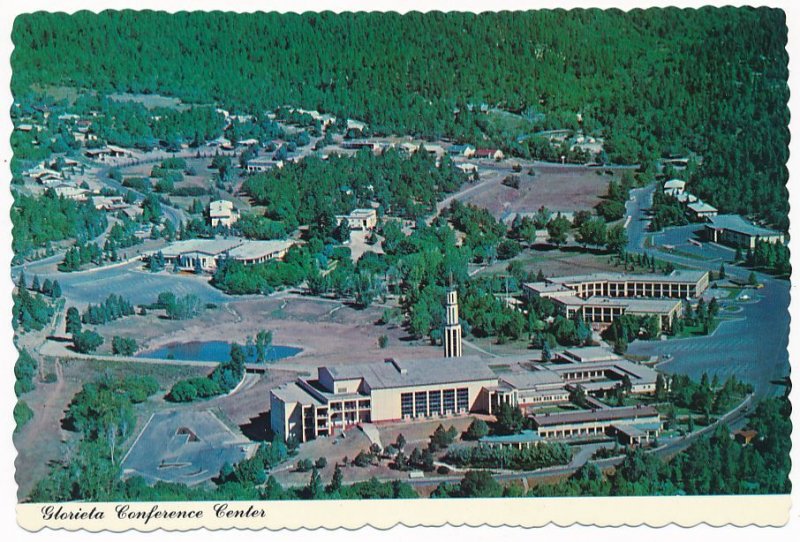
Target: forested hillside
{"points": [[653, 82]]}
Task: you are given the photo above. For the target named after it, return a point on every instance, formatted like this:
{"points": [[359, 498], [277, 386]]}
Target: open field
{"points": [[326, 330], [559, 188], [555, 262]]}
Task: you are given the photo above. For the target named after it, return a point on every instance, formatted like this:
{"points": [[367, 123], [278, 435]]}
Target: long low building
{"points": [[586, 423], [601, 298], [552, 383], [680, 284], [735, 231], [190, 254]]}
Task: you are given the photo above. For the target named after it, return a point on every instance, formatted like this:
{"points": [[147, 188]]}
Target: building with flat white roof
{"points": [[702, 210], [674, 187], [735, 231], [360, 219], [587, 354], [603, 297], [190, 254], [342, 396], [587, 423], [222, 213]]}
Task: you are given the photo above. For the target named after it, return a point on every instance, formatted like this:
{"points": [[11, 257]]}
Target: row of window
{"points": [[434, 403]]}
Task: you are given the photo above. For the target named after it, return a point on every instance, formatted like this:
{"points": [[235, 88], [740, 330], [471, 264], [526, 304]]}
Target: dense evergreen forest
{"points": [[652, 83]]}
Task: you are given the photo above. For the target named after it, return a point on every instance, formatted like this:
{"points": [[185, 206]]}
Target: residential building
{"points": [[222, 213], [492, 154], [674, 187], [700, 210], [467, 151], [262, 164], [360, 219], [109, 203], [735, 231]]}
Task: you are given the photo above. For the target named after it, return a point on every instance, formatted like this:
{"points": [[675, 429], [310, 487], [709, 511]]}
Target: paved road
{"points": [[753, 346]]}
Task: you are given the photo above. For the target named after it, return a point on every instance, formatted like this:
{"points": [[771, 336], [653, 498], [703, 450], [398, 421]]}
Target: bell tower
{"points": [[452, 328]]}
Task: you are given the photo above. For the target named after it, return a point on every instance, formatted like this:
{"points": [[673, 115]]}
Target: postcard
{"points": [[278, 270]]}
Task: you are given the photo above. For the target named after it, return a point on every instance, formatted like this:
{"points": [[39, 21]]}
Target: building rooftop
{"points": [[588, 354], [207, 246], [294, 393], [419, 372], [520, 438], [621, 367], [362, 213], [255, 249], [531, 379], [702, 207], [220, 207], [740, 225], [679, 275], [604, 415], [674, 183]]}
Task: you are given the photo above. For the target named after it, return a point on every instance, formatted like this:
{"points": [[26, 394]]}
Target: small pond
{"points": [[214, 351]]}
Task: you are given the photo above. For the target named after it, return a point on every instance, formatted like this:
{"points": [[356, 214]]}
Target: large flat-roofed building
{"points": [[602, 311], [206, 254], [735, 231], [600, 377], [601, 298], [392, 390], [528, 389], [585, 423], [682, 284], [360, 219], [587, 354]]}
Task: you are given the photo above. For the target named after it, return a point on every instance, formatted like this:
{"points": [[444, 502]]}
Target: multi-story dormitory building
{"points": [[601, 298], [394, 390]]}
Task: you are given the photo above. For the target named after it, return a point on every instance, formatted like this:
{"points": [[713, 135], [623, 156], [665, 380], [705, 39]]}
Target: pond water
{"points": [[214, 351]]}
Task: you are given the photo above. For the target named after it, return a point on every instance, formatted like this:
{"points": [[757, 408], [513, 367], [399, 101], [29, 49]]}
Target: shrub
{"points": [[87, 341], [22, 414], [139, 388], [321, 463], [123, 346], [443, 470], [477, 430], [304, 465]]}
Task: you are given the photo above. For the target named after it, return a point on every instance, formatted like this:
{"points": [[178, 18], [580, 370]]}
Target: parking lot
{"points": [[689, 241], [185, 446], [752, 345], [133, 283]]}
